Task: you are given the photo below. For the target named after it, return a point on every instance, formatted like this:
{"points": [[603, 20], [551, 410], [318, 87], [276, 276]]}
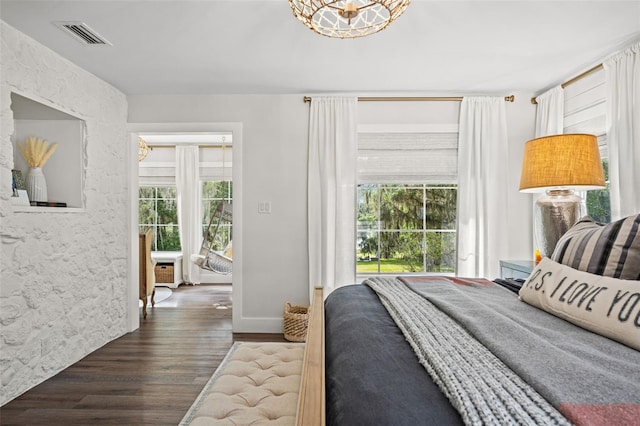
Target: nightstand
{"points": [[516, 268], [168, 268]]}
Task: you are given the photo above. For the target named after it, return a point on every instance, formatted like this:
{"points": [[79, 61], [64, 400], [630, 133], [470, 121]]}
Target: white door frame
{"points": [[135, 129]]}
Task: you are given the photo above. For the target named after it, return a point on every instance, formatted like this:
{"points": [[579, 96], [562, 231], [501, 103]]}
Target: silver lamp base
{"points": [[556, 212]]}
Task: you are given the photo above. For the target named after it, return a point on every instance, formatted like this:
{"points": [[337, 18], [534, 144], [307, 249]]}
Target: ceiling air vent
{"points": [[81, 32]]}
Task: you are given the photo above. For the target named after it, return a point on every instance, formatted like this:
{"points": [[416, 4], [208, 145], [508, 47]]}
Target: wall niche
{"points": [[64, 171]]}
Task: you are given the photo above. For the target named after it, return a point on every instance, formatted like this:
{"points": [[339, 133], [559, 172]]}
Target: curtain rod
{"points": [[576, 78], [414, 98]]}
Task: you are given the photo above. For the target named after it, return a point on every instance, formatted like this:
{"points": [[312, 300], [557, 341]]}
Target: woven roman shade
{"points": [[159, 167], [405, 158]]}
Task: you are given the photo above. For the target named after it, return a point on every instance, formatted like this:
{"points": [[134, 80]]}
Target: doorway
{"points": [[220, 144]]}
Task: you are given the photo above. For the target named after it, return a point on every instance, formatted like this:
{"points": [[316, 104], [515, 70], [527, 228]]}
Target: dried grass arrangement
{"points": [[36, 151]]}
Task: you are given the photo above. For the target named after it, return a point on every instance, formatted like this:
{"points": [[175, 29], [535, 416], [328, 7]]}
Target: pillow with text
{"points": [[604, 305]]}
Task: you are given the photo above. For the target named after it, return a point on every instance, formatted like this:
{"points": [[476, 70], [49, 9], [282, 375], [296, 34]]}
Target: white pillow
{"points": [[604, 305]]}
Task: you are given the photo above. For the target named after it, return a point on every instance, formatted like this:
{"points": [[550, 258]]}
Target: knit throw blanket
{"points": [[477, 383]]}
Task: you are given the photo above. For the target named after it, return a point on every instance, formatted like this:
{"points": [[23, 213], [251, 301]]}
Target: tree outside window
{"points": [[157, 209], [214, 192], [406, 228], [599, 200]]}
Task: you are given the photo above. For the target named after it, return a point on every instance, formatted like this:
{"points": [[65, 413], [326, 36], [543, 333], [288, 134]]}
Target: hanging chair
{"points": [[214, 260]]}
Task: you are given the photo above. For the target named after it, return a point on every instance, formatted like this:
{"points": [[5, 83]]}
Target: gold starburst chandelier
{"points": [[143, 149], [347, 18]]}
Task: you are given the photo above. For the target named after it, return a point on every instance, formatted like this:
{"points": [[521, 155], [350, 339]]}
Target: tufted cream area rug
{"points": [[256, 383]]}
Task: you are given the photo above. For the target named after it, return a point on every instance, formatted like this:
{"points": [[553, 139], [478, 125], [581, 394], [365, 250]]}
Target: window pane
{"points": [[599, 201], [367, 245], [157, 209], [368, 206], [441, 252], [168, 238], [441, 208], [167, 192], [406, 228], [213, 193], [146, 192], [401, 207], [146, 212], [167, 212], [401, 252]]}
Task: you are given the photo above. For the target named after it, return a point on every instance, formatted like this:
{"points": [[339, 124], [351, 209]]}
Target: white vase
{"points": [[36, 185]]}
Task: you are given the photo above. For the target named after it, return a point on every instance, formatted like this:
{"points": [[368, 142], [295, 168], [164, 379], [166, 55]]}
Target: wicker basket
{"points": [[164, 273], [296, 320]]}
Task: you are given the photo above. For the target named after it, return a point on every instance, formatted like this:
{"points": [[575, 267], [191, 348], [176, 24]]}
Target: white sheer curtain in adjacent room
{"points": [[332, 192], [482, 187], [189, 214], [623, 123]]}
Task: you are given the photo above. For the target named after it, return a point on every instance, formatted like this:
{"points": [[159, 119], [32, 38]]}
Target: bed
{"points": [[500, 357]]}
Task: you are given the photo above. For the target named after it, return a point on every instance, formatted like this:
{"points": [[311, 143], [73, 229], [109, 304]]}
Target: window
{"points": [[157, 209], [406, 228], [407, 194], [585, 112], [599, 201], [214, 192]]}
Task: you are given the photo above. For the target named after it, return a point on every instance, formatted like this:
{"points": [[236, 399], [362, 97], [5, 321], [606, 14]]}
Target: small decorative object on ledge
{"points": [[296, 321], [36, 152], [47, 204]]}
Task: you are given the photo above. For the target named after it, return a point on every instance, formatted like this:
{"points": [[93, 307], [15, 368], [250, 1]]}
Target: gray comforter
{"points": [[588, 378]]}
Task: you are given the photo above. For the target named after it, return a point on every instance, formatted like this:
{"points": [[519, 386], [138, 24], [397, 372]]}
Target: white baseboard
{"points": [[213, 278], [258, 325]]}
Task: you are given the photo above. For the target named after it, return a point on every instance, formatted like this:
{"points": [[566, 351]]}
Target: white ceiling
{"points": [[257, 46]]}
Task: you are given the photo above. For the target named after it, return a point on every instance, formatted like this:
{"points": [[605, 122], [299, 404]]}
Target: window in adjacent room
{"points": [[157, 179], [214, 192], [407, 194], [158, 210]]}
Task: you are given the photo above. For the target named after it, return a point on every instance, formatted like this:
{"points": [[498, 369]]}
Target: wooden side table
{"points": [[516, 268]]}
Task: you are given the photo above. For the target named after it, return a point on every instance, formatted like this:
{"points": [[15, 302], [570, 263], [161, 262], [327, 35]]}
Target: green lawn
{"points": [[386, 266]]}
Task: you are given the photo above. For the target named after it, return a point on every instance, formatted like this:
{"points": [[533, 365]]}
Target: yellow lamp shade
{"points": [[570, 161]]}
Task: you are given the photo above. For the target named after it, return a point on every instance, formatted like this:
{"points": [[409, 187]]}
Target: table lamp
{"points": [[558, 165]]}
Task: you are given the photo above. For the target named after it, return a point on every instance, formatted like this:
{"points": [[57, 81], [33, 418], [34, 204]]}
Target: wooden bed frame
{"points": [[311, 400]]}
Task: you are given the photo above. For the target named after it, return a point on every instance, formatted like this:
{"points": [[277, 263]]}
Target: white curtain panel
{"points": [[550, 112], [482, 187], [623, 123], [332, 192], [189, 211], [549, 121]]}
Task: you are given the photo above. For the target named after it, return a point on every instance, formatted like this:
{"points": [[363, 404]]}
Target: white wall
{"points": [[64, 276], [274, 168]]}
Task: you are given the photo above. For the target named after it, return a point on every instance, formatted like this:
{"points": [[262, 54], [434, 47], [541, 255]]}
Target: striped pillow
{"points": [[611, 250]]}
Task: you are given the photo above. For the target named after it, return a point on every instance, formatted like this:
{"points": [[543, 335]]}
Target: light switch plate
{"points": [[264, 207]]}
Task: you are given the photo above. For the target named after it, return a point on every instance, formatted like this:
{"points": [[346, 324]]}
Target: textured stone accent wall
{"points": [[63, 276]]}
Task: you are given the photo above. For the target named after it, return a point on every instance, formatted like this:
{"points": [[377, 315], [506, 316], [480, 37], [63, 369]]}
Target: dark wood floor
{"points": [[148, 377]]}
